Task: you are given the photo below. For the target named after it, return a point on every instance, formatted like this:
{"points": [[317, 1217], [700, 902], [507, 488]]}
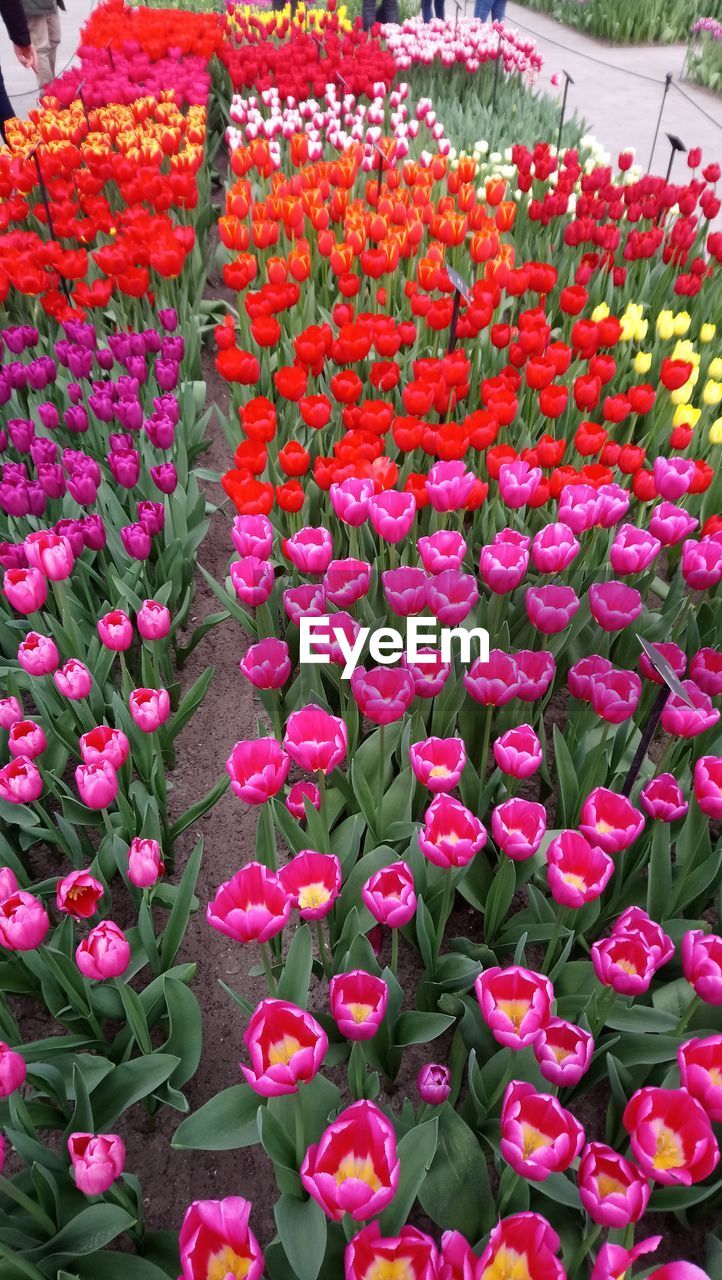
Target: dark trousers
{"points": [[7, 111], [388, 11], [426, 6]]}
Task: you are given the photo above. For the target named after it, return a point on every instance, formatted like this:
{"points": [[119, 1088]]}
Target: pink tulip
{"points": [[585, 673], [612, 1190], [12, 1070], [149, 708], [613, 605], [411, 1254], [434, 1083], [633, 550], [358, 1003], [685, 721], [26, 738], [20, 781], [551, 609], [564, 1052], [610, 821], [671, 524], [458, 1260], [624, 963], [678, 1271], [153, 620], [702, 964], [313, 882], [700, 1071], [448, 486], [557, 1136], [518, 827], [579, 507], [405, 590], [26, 589], [104, 744], [350, 500], [554, 548], [670, 1136], [217, 1231], [614, 1262], [145, 862], [73, 680], [526, 1237], [258, 768], [451, 596], [286, 1045], [253, 580], [673, 477], [383, 694], [267, 665], [346, 581], [297, 796], [392, 514], [662, 798], [389, 895], [315, 740], [78, 895], [451, 835], [502, 566], [310, 550], [518, 482], [115, 630], [51, 553], [105, 952], [24, 922], [492, 683], [8, 883], [577, 871], [97, 1161], [675, 656], [38, 655], [442, 550], [438, 763], [10, 711], [97, 784], [428, 673], [518, 752], [252, 536], [515, 1004], [615, 695], [701, 564], [636, 922], [534, 674], [252, 906], [705, 670], [354, 1168]]}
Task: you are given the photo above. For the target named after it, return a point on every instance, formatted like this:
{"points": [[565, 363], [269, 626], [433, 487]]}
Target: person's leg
{"points": [[426, 10], [482, 9], [368, 13], [6, 107], [54, 36], [439, 8], [498, 9], [40, 37]]}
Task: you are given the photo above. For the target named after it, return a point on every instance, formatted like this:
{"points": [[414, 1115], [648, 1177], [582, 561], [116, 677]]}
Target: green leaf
{"points": [[174, 931], [297, 967], [128, 1083], [200, 807], [456, 1193], [119, 1266], [302, 1228], [498, 899], [133, 1011], [226, 1123], [413, 1027], [190, 703], [416, 1152], [659, 875], [560, 1190], [568, 781], [91, 1229]]}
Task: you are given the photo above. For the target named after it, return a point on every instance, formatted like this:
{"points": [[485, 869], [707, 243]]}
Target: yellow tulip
{"points": [[715, 432], [707, 332], [643, 362], [682, 321], [665, 325], [712, 393], [686, 415], [601, 312], [715, 368]]}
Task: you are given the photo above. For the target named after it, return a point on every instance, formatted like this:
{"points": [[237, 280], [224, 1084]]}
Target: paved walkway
{"points": [[622, 108]]}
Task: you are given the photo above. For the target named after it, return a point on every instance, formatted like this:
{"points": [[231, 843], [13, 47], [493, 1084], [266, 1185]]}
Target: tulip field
{"points": [[315, 351]]}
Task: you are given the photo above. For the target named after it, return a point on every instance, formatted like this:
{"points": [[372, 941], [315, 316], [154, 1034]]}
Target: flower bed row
{"points": [[661, 22], [514, 855]]}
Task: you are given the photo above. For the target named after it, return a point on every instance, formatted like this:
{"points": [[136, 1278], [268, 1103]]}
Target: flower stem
{"points": [[267, 969], [322, 952], [380, 784], [394, 951], [446, 900], [689, 1012]]}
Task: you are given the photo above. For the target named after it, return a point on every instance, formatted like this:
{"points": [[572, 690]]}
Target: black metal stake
{"points": [[80, 95], [646, 738], [109, 52], [667, 83], [46, 202], [454, 321], [677, 145], [567, 81]]}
